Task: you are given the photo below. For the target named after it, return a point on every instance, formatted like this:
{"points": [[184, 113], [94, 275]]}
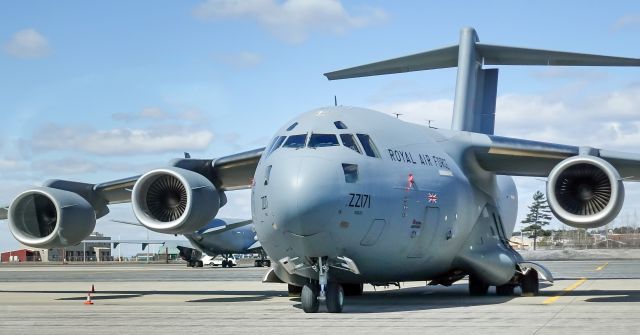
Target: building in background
{"points": [[83, 252]]}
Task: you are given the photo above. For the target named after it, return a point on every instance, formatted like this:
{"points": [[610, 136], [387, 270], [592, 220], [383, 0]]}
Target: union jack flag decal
{"points": [[432, 198]]}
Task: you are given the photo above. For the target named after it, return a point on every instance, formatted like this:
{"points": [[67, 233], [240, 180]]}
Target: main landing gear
{"points": [[263, 261], [313, 293], [528, 281]]}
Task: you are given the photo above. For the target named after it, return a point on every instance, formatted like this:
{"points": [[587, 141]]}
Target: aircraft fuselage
{"points": [[400, 199]]}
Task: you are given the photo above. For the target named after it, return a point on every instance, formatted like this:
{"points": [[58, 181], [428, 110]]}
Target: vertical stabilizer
{"points": [[476, 88]]}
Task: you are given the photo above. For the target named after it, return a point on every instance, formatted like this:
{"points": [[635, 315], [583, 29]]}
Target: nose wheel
{"points": [[331, 293]]}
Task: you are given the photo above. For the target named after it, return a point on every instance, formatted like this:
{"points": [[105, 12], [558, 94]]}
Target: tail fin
{"points": [[476, 88]]}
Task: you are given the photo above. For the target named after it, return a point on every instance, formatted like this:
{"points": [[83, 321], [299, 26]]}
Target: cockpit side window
{"points": [[295, 141], [350, 142], [276, 144], [322, 140], [368, 145]]}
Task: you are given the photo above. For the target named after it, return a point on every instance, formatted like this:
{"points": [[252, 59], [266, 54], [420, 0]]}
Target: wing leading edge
{"points": [[228, 173], [518, 157]]}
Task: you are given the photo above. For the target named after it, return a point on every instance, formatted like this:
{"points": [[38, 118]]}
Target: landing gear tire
{"points": [[504, 290], [224, 263], [190, 264], [352, 290], [257, 263], [335, 297], [267, 263], [530, 283], [199, 264], [309, 298], [477, 287], [294, 290]]}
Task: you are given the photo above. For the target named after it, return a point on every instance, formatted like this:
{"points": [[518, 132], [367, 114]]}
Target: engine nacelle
{"points": [[585, 192], [174, 201], [47, 218]]}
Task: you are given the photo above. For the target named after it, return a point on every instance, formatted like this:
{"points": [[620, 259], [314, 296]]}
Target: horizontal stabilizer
{"points": [[488, 54], [503, 55], [434, 59]]}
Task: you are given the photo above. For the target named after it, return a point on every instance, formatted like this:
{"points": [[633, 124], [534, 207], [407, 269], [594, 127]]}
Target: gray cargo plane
{"points": [[221, 236], [339, 189]]}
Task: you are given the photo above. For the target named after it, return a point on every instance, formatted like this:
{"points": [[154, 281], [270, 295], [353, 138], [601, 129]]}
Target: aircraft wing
{"points": [[228, 173], [518, 157], [254, 246], [226, 227]]}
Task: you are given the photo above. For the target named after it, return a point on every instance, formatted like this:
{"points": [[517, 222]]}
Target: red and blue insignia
{"points": [[432, 198]]}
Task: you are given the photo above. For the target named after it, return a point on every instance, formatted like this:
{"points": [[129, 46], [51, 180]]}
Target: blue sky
{"points": [[95, 91]]}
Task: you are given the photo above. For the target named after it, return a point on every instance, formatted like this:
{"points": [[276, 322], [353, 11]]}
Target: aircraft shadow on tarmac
{"points": [[406, 299]]}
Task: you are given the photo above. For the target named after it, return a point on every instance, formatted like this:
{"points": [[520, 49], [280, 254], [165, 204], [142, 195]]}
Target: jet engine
{"points": [[585, 192], [174, 200], [46, 218]]}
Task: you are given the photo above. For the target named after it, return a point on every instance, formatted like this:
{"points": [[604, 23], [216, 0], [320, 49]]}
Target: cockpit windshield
{"points": [[276, 144], [368, 145], [322, 140], [350, 142], [295, 141]]}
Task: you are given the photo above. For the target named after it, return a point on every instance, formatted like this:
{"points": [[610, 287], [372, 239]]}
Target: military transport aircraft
{"points": [[340, 188], [221, 236]]}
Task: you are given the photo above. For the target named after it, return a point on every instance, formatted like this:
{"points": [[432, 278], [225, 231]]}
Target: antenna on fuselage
{"points": [[397, 115], [335, 100], [476, 88]]}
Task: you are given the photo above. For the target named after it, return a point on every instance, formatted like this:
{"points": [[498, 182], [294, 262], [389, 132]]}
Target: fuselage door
{"points": [[422, 233]]}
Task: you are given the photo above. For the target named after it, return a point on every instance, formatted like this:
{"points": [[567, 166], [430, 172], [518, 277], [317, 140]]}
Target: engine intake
{"points": [[46, 218], [174, 200], [585, 192]]}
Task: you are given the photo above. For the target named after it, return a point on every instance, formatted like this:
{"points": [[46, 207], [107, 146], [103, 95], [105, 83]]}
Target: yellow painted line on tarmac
{"points": [[553, 299], [599, 268]]}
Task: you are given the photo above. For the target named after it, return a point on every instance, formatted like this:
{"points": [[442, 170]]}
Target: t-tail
{"points": [[476, 87]]}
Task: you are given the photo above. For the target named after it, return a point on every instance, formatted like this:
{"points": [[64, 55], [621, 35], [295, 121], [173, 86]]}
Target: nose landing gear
{"points": [[329, 292]]}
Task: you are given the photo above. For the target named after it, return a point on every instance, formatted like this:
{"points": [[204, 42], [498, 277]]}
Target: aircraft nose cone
{"points": [[310, 200]]}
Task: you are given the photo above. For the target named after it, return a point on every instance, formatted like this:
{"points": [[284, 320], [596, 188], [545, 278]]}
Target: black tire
{"points": [[353, 290], [294, 290], [199, 264], [309, 298], [504, 290], [530, 283], [224, 263], [477, 287], [189, 264], [257, 263], [267, 263], [335, 297]]}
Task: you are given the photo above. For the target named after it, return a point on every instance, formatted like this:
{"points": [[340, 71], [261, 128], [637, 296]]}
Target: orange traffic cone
{"points": [[88, 301], [93, 289]]}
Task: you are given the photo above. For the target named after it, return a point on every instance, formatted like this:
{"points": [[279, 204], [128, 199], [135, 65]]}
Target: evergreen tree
{"points": [[538, 217]]}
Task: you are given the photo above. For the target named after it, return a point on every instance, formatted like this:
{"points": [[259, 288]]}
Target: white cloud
{"points": [[626, 21], [156, 114], [120, 141], [421, 111], [11, 165], [291, 20], [27, 43], [243, 59]]}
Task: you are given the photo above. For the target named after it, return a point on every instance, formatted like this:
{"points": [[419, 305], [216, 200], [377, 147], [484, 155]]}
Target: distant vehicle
{"points": [[219, 261]]}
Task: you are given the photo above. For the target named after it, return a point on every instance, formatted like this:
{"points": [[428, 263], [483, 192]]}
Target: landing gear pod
{"points": [[174, 200], [46, 218], [585, 192]]}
